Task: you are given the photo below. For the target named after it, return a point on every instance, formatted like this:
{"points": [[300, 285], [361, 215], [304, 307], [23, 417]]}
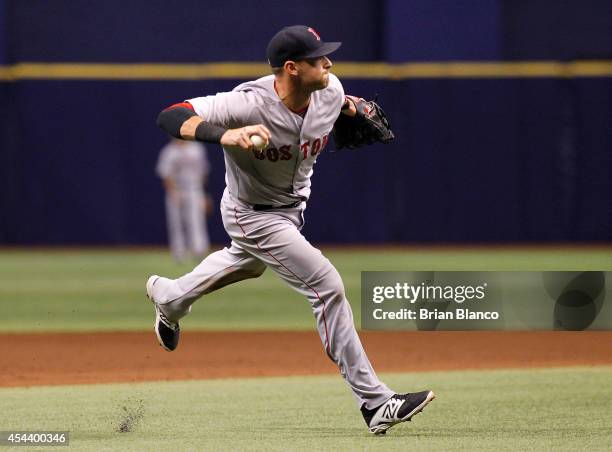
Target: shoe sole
{"points": [[156, 327], [149, 287], [382, 428]]}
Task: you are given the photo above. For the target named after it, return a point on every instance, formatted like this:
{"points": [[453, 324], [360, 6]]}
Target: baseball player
{"points": [[183, 167], [293, 112]]}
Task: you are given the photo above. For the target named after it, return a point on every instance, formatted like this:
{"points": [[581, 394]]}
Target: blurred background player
{"points": [[183, 167]]}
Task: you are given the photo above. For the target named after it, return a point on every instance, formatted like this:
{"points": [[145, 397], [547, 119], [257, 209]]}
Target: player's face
{"points": [[314, 72]]}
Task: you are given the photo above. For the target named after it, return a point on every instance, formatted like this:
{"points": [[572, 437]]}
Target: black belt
{"points": [[269, 207]]}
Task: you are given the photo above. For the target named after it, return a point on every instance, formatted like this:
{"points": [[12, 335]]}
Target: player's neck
{"points": [[294, 98]]}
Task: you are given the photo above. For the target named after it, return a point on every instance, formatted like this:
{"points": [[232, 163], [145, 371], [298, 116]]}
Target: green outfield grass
{"points": [[88, 290], [560, 409]]}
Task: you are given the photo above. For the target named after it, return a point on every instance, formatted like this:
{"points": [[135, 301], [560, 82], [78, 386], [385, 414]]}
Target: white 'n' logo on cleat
{"points": [[391, 409]]}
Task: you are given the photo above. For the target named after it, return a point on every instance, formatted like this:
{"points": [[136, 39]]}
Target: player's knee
{"points": [[257, 271], [335, 287], [338, 293]]}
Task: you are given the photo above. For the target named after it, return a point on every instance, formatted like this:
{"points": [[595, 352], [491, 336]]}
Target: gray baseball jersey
{"points": [[281, 173]]}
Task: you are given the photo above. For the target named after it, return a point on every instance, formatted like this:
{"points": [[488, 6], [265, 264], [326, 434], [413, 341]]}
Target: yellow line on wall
{"points": [[132, 71], [365, 70]]}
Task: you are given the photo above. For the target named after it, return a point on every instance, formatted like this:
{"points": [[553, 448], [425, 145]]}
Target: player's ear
{"points": [[291, 67]]}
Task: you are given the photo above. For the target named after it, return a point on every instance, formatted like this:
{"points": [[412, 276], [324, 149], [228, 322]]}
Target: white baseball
{"points": [[258, 142]]}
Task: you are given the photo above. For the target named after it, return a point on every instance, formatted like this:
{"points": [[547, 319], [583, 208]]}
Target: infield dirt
{"points": [[71, 358]]}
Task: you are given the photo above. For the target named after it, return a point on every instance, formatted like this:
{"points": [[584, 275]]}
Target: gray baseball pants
{"points": [[272, 239]]}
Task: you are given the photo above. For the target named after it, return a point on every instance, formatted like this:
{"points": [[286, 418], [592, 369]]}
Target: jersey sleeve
{"points": [[227, 110]]}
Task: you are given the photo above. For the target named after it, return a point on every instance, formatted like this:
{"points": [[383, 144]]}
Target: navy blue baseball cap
{"points": [[296, 43]]}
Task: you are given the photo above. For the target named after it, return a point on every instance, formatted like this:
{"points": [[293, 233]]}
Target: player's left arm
{"points": [[348, 107], [361, 122]]}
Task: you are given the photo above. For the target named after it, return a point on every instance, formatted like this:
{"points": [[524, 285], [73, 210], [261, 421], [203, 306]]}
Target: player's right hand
{"points": [[240, 137]]}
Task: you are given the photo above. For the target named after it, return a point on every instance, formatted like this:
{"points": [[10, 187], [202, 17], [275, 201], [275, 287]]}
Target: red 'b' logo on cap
{"points": [[314, 32]]}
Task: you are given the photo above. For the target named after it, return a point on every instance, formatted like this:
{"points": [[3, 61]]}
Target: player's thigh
{"points": [[287, 252], [243, 260], [219, 269]]}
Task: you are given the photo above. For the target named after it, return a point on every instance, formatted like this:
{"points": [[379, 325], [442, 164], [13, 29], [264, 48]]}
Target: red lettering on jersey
{"points": [[260, 155], [304, 148], [316, 147], [325, 140], [285, 152], [272, 154]]}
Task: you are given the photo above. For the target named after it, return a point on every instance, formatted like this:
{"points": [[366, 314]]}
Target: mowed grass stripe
{"points": [[552, 409], [102, 290]]}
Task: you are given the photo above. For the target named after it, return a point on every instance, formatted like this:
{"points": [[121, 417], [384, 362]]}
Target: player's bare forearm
{"points": [[181, 121], [231, 137], [189, 127], [348, 108], [172, 119]]}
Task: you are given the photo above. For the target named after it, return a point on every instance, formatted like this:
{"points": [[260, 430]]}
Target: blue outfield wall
{"points": [[475, 160], [189, 31], [426, 30], [522, 163]]}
